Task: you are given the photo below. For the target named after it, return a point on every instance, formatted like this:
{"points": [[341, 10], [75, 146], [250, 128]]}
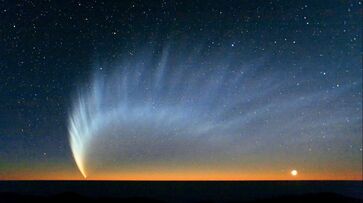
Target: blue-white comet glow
{"points": [[173, 108]]}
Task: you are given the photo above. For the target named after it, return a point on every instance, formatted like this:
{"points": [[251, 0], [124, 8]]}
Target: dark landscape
{"points": [[185, 101], [181, 191]]}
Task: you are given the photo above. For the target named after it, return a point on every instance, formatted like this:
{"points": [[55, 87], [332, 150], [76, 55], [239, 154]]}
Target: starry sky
{"points": [[181, 90]]}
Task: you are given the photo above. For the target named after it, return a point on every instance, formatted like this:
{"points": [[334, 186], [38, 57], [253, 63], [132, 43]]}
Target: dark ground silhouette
{"points": [[181, 191], [71, 197]]}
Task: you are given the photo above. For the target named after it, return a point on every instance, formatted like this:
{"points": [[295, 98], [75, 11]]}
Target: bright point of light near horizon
{"points": [[172, 111]]}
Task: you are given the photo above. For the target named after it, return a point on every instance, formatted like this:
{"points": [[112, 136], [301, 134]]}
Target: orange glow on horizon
{"points": [[178, 175]]}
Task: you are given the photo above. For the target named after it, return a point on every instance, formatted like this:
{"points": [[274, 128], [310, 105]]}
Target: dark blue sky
{"points": [[312, 49]]}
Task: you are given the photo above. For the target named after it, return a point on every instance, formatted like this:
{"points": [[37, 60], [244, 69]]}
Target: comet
{"points": [[171, 109]]}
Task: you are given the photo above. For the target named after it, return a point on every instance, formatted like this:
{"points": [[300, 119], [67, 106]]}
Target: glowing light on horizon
{"points": [[294, 172], [171, 109]]}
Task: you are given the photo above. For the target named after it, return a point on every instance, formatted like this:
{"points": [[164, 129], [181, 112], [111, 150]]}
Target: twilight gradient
{"points": [[175, 109]]}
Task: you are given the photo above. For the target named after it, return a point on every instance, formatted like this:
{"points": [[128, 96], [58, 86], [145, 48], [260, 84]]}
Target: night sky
{"points": [[181, 90]]}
